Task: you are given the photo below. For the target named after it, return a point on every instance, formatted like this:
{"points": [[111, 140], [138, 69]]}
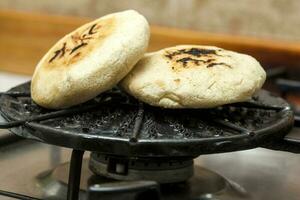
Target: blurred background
{"points": [[278, 19], [269, 30]]}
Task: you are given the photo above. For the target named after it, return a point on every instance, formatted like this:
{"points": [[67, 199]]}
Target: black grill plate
{"points": [[110, 124]]}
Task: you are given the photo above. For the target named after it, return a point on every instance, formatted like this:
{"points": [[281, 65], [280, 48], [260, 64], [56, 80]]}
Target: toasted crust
{"points": [[192, 76], [80, 43], [90, 60]]}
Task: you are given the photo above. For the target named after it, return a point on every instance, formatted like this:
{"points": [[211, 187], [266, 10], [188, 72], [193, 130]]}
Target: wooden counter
{"points": [[25, 37]]}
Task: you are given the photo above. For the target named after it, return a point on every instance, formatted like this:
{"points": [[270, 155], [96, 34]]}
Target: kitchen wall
{"points": [[263, 18]]}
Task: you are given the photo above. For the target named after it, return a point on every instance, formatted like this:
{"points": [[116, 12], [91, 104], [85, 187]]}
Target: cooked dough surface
{"points": [[90, 60], [193, 76]]}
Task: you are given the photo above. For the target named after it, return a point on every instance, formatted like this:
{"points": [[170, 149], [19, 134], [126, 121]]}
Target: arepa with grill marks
{"points": [[194, 76], [90, 60]]}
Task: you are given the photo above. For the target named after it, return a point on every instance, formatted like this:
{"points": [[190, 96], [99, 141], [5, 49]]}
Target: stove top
{"points": [[258, 172]]}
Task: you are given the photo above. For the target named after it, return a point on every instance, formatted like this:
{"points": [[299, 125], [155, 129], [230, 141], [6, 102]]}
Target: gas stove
{"points": [[141, 152]]}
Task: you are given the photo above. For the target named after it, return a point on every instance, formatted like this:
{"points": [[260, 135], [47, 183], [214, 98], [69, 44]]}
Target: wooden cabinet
{"points": [[25, 38]]}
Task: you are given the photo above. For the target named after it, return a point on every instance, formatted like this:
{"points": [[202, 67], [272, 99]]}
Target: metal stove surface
{"points": [[265, 174]]}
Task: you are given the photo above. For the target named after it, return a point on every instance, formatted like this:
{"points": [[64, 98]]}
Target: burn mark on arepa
{"points": [[195, 56], [77, 47], [59, 52], [186, 60], [80, 41], [91, 30], [193, 51], [221, 63]]}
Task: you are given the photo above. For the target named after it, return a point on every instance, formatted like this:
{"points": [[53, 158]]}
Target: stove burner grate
{"points": [[115, 123]]}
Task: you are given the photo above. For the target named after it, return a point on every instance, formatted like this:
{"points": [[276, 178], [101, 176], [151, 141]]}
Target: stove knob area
{"points": [[125, 190]]}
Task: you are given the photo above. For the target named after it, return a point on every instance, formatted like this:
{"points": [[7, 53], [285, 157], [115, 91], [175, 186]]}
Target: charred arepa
{"points": [[90, 60], [190, 76]]}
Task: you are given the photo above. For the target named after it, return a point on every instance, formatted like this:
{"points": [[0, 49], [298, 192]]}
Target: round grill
{"points": [[117, 124]]}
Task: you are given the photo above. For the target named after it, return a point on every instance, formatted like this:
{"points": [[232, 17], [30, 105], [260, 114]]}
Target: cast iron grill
{"points": [[115, 123]]}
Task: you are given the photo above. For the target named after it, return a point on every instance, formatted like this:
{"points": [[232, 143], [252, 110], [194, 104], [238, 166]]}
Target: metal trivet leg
{"points": [[75, 174]]}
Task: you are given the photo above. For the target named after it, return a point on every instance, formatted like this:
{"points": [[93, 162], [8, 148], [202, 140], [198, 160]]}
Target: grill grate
{"points": [[116, 123]]}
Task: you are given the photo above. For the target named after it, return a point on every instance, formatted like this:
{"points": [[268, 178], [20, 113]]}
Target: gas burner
{"points": [[162, 170], [204, 185]]}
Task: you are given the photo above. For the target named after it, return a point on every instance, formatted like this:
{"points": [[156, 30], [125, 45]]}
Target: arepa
{"points": [[192, 76], [90, 60]]}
